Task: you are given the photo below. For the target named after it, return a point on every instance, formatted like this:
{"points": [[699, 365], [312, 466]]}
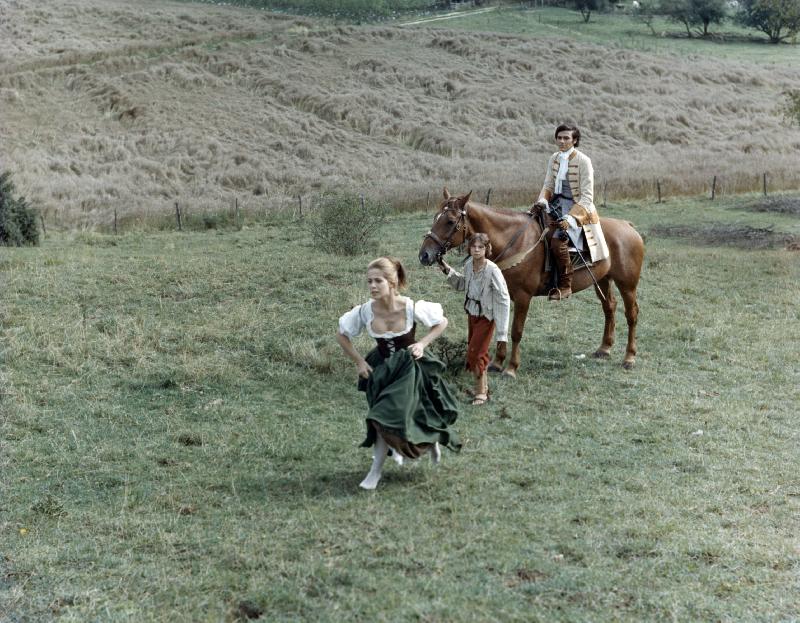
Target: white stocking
{"points": [[374, 475], [436, 453]]}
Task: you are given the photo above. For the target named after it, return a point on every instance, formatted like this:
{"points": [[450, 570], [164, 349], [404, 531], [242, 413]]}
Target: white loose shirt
{"points": [[352, 323]]}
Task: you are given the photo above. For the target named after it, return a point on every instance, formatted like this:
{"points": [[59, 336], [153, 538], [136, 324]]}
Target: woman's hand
{"points": [[444, 266], [364, 369], [563, 224], [416, 350]]}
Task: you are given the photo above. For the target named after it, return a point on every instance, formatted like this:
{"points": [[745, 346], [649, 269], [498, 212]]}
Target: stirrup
{"points": [[557, 295]]}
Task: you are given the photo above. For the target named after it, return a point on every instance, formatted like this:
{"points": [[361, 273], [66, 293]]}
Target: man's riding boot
{"points": [[560, 250]]}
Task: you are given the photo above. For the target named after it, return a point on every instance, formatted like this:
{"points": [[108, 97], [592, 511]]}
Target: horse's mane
{"points": [[504, 211]]}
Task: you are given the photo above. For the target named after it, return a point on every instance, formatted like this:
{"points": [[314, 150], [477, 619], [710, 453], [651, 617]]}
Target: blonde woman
{"points": [[411, 408], [487, 304]]}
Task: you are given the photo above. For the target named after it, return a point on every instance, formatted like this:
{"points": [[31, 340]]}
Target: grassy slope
{"points": [[179, 440], [205, 105]]}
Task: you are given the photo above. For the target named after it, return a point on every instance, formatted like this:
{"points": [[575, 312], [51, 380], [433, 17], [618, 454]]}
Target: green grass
{"points": [[623, 30], [180, 431]]}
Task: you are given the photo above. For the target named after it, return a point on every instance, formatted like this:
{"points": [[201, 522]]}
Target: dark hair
{"points": [[483, 239], [576, 133], [392, 269]]}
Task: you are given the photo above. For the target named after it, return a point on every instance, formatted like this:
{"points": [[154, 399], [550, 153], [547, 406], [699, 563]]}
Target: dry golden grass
{"points": [[109, 106]]}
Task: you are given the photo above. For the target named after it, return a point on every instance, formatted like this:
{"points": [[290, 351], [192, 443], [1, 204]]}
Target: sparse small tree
{"points": [[778, 19], [585, 7], [697, 14], [18, 226], [347, 223], [645, 13]]}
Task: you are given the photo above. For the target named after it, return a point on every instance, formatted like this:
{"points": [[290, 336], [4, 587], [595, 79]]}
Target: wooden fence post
{"points": [[713, 188], [236, 211], [658, 190], [765, 184], [178, 216], [44, 229], [115, 221], [605, 187], [488, 194], [427, 201], [300, 204]]}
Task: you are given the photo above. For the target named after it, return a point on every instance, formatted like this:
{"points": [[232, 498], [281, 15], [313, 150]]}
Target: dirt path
{"points": [[450, 16]]}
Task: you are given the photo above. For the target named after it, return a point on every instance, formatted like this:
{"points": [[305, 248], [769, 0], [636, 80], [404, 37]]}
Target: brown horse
{"points": [[518, 249]]}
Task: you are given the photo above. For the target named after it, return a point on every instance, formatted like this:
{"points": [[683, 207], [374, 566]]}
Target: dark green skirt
{"points": [[409, 398]]}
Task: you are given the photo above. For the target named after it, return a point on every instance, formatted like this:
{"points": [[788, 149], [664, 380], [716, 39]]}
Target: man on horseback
{"points": [[567, 200]]}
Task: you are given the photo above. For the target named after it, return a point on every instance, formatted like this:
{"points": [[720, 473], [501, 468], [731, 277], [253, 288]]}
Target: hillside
{"points": [[109, 106]]}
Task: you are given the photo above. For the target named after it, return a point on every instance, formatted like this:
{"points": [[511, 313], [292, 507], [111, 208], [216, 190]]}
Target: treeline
{"points": [[349, 9], [778, 19]]}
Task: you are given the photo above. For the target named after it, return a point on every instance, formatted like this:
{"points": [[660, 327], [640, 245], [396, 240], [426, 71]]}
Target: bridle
{"points": [[461, 222]]}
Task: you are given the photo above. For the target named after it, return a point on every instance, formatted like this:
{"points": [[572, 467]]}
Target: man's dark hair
{"points": [[576, 133]]}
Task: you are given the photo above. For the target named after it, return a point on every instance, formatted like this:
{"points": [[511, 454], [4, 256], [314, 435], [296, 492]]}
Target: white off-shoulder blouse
{"points": [[360, 317]]}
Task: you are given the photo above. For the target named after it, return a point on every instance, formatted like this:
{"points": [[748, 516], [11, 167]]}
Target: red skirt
{"points": [[479, 338]]}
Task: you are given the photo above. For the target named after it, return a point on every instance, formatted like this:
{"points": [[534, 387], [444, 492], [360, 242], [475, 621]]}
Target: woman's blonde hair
{"points": [[392, 270], [483, 239]]}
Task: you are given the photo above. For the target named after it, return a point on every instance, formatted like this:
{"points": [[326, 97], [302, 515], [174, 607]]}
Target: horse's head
{"points": [[449, 228]]}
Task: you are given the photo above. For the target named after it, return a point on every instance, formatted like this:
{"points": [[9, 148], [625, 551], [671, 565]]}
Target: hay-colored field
{"points": [[110, 106]]}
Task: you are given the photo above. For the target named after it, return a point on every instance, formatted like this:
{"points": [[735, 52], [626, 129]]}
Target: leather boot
{"points": [[560, 250]]}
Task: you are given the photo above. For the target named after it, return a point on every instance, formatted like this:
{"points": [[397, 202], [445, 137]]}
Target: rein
{"points": [[514, 238], [514, 260]]}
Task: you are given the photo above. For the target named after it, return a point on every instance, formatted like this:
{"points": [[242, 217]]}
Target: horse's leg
{"points": [[521, 305], [632, 316], [496, 364], [609, 309], [374, 475]]}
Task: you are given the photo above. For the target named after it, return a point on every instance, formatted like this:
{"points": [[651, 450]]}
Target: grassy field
{"points": [[179, 439], [622, 30]]}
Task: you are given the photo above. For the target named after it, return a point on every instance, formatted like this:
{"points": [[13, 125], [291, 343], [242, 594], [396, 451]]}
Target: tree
{"points": [[699, 14], [645, 13], [778, 19], [17, 219], [587, 6]]}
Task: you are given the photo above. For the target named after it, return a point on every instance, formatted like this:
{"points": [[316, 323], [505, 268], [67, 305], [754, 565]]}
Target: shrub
{"points": [[453, 353], [18, 225], [791, 109], [347, 224]]}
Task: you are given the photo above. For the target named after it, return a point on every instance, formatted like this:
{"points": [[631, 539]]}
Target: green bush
{"points": [[18, 225], [347, 224], [791, 108]]}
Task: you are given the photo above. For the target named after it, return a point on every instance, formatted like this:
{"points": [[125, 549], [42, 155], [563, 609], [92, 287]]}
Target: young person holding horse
{"points": [[487, 304], [411, 408], [567, 198]]}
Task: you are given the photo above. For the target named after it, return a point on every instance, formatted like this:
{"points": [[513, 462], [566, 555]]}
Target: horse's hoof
{"points": [[600, 354], [510, 373], [493, 367], [628, 365]]}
